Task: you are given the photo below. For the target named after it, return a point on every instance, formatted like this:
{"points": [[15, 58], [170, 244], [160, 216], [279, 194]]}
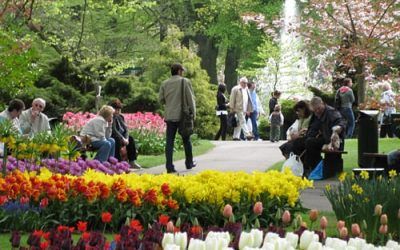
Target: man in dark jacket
{"points": [[329, 123]]}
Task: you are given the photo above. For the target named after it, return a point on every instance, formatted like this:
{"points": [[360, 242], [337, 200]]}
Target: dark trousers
{"points": [[386, 129], [172, 128], [222, 127], [253, 117], [312, 155], [130, 149]]}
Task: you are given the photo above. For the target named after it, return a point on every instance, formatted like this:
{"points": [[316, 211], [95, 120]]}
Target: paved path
{"points": [[248, 156]]}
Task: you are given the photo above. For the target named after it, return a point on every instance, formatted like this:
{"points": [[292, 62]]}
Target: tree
{"points": [[362, 33]]}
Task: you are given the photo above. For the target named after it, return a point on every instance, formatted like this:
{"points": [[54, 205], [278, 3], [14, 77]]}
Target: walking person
{"points": [[170, 95], [240, 104], [388, 104], [121, 136], [344, 100], [274, 101], [276, 121], [257, 109], [222, 112]]}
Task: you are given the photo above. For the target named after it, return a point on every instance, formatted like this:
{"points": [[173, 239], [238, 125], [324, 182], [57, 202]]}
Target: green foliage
{"points": [[158, 70], [287, 111], [354, 201], [328, 98], [17, 67], [117, 86]]}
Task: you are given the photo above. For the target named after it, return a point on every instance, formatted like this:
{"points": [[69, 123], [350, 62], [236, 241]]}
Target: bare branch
{"points": [[4, 9], [353, 27], [381, 17], [337, 21], [82, 26]]}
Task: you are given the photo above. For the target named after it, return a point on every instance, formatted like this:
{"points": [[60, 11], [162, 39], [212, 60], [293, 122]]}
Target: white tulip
{"points": [[171, 247], [268, 246], [358, 243], [393, 244], [227, 248], [212, 243], [327, 248], [245, 240], [196, 244], [270, 238], [252, 248], [350, 248], [181, 240], [221, 239], [315, 245], [335, 243], [257, 237], [306, 238], [167, 239], [281, 244], [292, 238]]}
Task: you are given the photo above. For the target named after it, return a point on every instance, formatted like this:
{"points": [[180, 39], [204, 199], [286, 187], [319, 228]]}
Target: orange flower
{"points": [[196, 230], [313, 214], [136, 225], [258, 208], [38, 233], [173, 204], [106, 217], [151, 196], [165, 189], [163, 219], [117, 237], [82, 226]]}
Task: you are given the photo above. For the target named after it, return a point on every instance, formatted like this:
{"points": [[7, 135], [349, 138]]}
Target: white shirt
{"points": [[97, 129], [245, 95]]}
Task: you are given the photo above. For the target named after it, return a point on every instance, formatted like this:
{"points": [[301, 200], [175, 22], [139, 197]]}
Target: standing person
{"points": [[388, 103], [346, 99], [257, 109], [276, 121], [171, 96], [274, 100], [222, 112], [240, 104], [99, 129], [12, 113], [121, 136], [33, 120]]}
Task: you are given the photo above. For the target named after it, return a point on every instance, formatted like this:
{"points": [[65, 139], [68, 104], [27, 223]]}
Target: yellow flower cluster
{"points": [[212, 186], [357, 189]]}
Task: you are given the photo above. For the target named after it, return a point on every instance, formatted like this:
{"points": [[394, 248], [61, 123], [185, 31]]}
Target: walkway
{"points": [[248, 156]]}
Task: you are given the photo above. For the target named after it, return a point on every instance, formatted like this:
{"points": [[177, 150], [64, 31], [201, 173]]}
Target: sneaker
{"points": [[135, 165]]}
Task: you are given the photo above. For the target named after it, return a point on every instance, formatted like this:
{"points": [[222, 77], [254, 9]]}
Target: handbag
{"points": [[232, 122], [186, 124], [294, 164]]}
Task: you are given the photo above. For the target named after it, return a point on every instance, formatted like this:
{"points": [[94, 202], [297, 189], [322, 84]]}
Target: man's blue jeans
{"points": [[349, 116], [172, 128], [253, 118], [105, 149]]}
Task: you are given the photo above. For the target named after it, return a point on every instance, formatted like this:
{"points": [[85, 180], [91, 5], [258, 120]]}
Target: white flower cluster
{"points": [[253, 240]]}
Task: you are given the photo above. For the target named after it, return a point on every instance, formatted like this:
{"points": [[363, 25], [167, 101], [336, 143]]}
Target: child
{"points": [[276, 121]]}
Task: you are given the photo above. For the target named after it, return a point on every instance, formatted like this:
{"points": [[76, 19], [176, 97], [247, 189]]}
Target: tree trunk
{"points": [[208, 53], [231, 64], [360, 79]]}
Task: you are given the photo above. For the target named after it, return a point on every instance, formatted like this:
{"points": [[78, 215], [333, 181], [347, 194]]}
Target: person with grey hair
{"points": [[33, 120], [331, 127], [98, 130], [240, 104], [388, 106]]}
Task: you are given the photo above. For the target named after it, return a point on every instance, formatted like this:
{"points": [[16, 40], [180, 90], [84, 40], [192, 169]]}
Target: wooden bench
{"points": [[377, 160], [333, 163]]}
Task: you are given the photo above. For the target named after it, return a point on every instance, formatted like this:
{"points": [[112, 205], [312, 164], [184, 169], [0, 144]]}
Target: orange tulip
{"points": [[323, 222], [106, 217], [313, 214]]}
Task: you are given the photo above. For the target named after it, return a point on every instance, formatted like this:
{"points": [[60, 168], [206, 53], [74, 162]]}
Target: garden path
{"points": [[248, 156]]}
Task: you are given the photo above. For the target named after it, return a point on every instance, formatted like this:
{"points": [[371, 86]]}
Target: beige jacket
{"points": [[236, 100], [170, 96]]}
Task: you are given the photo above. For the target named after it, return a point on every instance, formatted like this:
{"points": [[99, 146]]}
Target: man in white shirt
{"points": [[12, 113], [33, 120]]}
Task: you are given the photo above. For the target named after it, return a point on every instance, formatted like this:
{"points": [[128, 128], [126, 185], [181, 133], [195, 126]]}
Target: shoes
{"points": [[236, 139], [250, 137], [190, 166], [135, 165], [171, 171]]}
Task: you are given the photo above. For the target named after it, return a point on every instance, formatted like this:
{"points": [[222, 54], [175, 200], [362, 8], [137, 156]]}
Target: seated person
{"points": [[12, 113], [121, 136], [98, 130], [331, 126], [33, 120], [298, 128]]}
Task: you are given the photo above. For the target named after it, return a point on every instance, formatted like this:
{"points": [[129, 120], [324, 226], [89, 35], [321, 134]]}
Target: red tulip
{"points": [[163, 219], [106, 217], [227, 213], [258, 208], [44, 202], [323, 222], [82, 226], [286, 217]]}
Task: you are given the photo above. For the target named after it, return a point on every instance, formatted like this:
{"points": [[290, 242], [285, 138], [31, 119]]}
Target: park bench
{"points": [[378, 165], [333, 163]]}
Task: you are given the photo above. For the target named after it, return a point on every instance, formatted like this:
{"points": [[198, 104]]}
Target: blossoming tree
{"points": [[361, 33]]}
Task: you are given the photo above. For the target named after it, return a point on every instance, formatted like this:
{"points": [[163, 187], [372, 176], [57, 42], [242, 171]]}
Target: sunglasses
{"points": [[38, 105]]}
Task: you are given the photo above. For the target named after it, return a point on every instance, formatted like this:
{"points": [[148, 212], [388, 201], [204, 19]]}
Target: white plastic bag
{"points": [[294, 163], [1, 149]]}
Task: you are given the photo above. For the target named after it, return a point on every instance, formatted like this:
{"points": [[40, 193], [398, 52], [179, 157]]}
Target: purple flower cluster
{"points": [[76, 168]]}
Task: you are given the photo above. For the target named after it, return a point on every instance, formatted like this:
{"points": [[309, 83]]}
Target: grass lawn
{"points": [[351, 158], [148, 161]]}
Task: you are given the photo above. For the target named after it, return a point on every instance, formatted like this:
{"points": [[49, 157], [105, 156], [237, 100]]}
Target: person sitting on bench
{"points": [[98, 129], [331, 133]]}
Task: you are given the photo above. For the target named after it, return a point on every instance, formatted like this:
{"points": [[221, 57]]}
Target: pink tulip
{"points": [[286, 217], [313, 214], [323, 222], [340, 224], [383, 229], [227, 213], [355, 230], [343, 233], [170, 227], [258, 208]]}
